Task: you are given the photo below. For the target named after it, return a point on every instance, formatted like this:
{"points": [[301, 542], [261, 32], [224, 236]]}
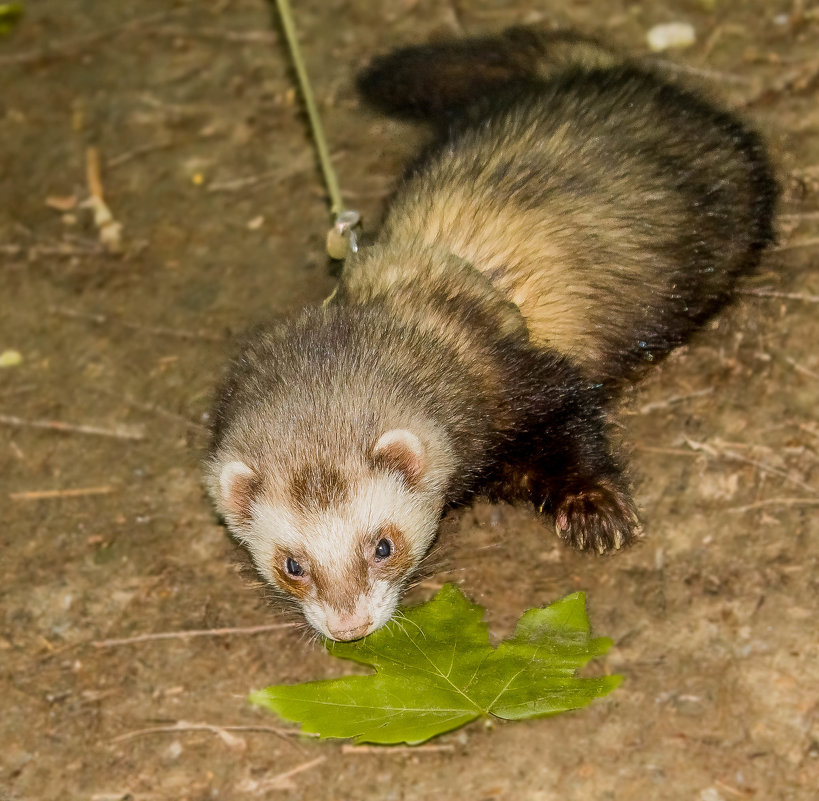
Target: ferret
{"points": [[575, 218]]}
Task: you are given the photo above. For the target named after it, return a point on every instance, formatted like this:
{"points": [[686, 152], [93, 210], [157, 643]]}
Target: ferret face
{"points": [[345, 565], [341, 546]]}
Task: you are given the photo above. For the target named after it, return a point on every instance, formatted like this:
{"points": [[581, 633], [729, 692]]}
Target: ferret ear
{"points": [[238, 484], [401, 450]]}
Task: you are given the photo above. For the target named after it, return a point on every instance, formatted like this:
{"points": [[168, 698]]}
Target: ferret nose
{"points": [[353, 633]]}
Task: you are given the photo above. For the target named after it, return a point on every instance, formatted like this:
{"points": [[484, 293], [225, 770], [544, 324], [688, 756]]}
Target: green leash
{"points": [[341, 238]]}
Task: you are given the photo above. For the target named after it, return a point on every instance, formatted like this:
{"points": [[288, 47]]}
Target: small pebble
{"points": [[173, 751], [10, 358], [674, 35]]}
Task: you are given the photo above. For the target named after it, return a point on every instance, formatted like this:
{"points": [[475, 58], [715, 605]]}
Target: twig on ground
{"points": [[153, 409], [218, 34], [248, 182], [74, 492], [120, 795], [714, 75], [130, 155], [797, 80], [395, 749], [70, 47], [102, 319], [800, 368], [718, 452], [121, 431], [775, 502], [669, 451], [664, 404], [16, 450], [799, 215], [185, 634], [109, 229], [799, 243], [63, 249], [772, 293], [280, 781], [809, 428], [223, 732], [7, 393]]}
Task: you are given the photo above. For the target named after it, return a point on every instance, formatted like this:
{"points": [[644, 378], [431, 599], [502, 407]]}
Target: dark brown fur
{"points": [[245, 489], [638, 202], [294, 585], [342, 594], [316, 486], [398, 565]]}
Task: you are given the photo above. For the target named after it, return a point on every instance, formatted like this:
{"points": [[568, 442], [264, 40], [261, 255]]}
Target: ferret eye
{"points": [[383, 549], [293, 567]]}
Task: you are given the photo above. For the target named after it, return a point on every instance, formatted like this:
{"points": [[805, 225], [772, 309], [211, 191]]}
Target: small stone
{"points": [[10, 358], [673, 35], [173, 751]]}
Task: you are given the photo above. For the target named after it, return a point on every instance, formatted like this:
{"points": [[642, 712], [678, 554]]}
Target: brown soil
{"points": [[208, 166]]}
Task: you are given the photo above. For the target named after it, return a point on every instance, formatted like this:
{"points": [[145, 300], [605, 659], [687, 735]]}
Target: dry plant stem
{"points": [[110, 230], [249, 182], [771, 293], [92, 172], [775, 502], [800, 215], [800, 243], [714, 75], [280, 777], [796, 81], [183, 635], [182, 725], [730, 790], [77, 492], [81, 44], [801, 369], [668, 451], [102, 319], [154, 409], [216, 34], [7, 393], [711, 42], [665, 404], [736, 457], [380, 750], [63, 250], [130, 155], [120, 432]]}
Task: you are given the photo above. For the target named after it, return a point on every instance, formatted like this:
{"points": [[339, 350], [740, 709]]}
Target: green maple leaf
{"points": [[435, 671]]}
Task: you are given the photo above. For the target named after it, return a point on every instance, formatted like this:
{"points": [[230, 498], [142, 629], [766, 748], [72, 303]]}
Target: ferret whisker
{"points": [[405, 619], [396, 621]]}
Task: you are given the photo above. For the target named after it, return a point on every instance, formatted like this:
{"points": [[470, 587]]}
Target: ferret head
{"points": [[340, 538]]}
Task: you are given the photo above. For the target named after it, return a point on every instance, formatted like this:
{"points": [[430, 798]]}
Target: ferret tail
{"points": [[437, 81]]}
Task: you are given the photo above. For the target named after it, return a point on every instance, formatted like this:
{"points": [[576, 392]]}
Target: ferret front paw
{"points": [[600, 517]]}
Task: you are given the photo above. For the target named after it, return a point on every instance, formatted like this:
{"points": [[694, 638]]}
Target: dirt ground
{"points": [[207, 164]]}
